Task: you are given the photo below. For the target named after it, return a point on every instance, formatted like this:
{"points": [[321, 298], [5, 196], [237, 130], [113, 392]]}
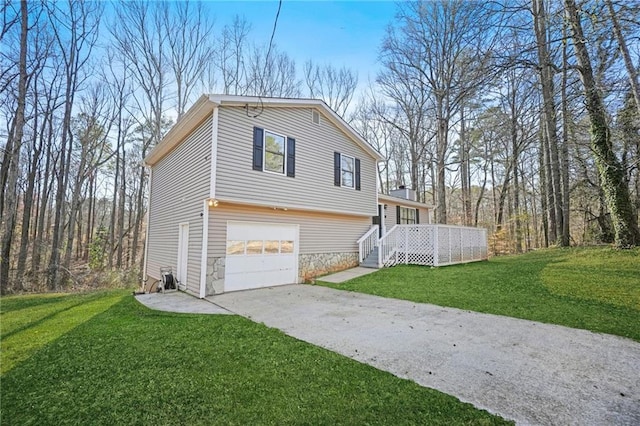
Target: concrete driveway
{"points": [[525, 371]]}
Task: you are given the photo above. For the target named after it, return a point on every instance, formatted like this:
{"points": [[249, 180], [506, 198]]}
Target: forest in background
{"points": [[519, 116]]}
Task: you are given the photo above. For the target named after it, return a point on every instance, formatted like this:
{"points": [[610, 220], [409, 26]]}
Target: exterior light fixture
{"points": [[212, 202]]}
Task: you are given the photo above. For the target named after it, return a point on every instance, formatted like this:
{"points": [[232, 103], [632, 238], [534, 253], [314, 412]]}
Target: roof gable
{"points": [[204, 106]]}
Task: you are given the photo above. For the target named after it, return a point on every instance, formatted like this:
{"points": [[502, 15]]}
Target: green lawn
{"points": [[102, 358], [596, 289]]}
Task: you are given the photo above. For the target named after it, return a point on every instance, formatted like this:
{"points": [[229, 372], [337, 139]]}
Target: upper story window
{"points": [[273, 152], [346, 171]]}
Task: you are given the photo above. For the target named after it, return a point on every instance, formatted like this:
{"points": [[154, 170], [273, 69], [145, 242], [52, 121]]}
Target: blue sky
{"points": [[345, 33]]}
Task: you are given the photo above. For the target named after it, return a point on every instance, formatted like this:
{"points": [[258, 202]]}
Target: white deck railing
{"points": [[367, 243], [432, 245]]}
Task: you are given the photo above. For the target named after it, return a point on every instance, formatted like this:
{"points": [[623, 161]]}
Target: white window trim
{"points": [[353, 181], [264, 153]]}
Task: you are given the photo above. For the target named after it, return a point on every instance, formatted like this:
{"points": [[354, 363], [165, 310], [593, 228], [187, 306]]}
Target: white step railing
{"points": [[367, 243], [388, 248]]}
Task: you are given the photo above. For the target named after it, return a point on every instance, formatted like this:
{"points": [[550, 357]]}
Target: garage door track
{"points": [[525, 371]]}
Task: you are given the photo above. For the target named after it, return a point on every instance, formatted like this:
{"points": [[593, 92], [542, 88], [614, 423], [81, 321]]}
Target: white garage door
{"points": [[260, 255]]}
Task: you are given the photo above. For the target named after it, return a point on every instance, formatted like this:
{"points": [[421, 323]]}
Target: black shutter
{"points": [[398, 215], [336, 168], [357, 174], [417, 216], [258, 148], [291, 157]]}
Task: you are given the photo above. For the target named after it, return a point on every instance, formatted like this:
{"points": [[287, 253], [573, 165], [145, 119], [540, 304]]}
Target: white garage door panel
{"points": [[245, 271], [260, 231]]}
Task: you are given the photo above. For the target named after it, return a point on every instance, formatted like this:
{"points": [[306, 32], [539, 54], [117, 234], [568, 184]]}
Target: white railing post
{"points": [[406, 247], [436, 246]]}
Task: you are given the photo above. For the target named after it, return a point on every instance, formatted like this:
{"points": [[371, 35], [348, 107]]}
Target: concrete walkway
{"points": [[177, 301], [346, 275], [529, 372]]}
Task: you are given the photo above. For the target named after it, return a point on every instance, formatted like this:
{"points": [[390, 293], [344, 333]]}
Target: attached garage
{"points": [[260, 255]]}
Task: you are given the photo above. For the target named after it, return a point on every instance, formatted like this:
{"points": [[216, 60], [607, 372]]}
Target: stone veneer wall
{"points": [[215, 275], [313, 265], [309, 267]]}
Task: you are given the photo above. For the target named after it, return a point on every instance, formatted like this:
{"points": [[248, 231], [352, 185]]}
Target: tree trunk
{"points": [[121, 207], [28, 203], [443, 130], [516, 184], [44, 198], [549, 110], [544, 189], [10, 190], [612, 176], [565, 238], [464, 170]]}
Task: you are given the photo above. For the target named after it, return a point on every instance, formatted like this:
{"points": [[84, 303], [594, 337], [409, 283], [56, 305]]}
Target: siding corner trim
{"points": [[205, 244]]}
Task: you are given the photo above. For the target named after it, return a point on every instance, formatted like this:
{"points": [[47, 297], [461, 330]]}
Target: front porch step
{"points": [[371, 261], [369, 265]]}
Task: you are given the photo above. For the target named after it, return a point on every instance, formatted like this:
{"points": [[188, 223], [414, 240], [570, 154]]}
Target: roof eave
{"points": [[198, 112], [404, 201]]}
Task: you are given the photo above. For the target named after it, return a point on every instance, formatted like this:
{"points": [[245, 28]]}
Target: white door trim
{"points": [[182, 263], [383, 214]]}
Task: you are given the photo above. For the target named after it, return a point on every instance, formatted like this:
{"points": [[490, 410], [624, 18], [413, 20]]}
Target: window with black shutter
{"points": [[346, 171], [273, 152], [291, 157], [258, 147]]}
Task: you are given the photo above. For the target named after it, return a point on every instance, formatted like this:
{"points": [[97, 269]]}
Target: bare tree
{"points": [[189, 36], [75, 30], [90, 128], [614, 186], [547, 72], [626, 55], [12, 155], [334, 86], [274, 75], [232, 56], [447, 44]]}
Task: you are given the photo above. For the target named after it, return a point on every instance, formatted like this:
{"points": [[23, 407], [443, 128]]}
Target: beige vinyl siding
{"points": [[391, 214], [313, 186], [319, 233], [179, 186]]}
